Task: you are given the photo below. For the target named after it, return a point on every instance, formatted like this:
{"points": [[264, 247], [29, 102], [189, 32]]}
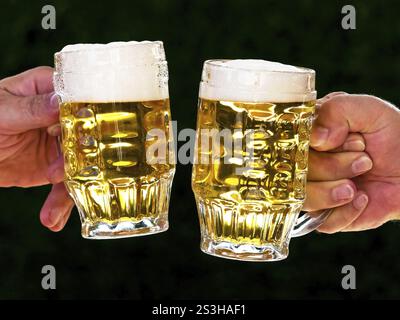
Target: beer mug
{"points": [[111, 97], [251, 157]]}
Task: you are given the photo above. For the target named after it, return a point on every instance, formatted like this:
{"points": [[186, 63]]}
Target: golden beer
{"points": [[106, 167], [113, 98], [249, 188], [256, 205]]}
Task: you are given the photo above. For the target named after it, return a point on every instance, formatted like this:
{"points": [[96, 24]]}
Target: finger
{"points": [[343, 216], [329, 96], [61, 224], [382, 206], [20, 114], [55, 172], [353, 142], [361, 224], [328, 194], [54, 130], [57, 204], [31, 82], [334, 166], [342, 114]]}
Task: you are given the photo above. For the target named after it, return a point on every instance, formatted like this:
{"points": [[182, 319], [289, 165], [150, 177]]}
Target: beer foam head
{"points": [[113, 72], [256, 81]]}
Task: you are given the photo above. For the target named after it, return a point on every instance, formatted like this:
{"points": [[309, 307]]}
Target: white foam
{"points": [[113, 72], [256, 81]]}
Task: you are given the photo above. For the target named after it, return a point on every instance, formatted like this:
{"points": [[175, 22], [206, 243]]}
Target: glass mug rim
{"points": [[115, 45], [252, 82], [216, 63], [95, 58]]}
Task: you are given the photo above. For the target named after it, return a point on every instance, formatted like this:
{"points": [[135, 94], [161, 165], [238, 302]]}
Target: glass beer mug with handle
{"points": [[251, 157], [112, 96]]}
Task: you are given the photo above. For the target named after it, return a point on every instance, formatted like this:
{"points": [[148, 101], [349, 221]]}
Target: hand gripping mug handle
{"points": [[306, 223]]}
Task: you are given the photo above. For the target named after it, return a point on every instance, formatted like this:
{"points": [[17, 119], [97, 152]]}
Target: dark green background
{"points": [[170, 265]]}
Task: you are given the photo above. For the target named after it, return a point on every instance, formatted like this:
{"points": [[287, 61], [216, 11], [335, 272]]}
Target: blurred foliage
{"points": [[170, 265]]}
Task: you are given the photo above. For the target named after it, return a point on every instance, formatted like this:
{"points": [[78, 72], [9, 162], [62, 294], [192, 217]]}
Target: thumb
{"points": [[344, 113], [32, 112]]}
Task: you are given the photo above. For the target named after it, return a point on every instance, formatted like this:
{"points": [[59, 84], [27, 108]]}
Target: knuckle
{"points": [[334, 103], [329, 104], [374, 224], [32, 107]]}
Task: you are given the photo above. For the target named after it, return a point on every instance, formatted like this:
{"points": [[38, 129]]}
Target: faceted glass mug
{"points": [[251, 158], [111, 98]]}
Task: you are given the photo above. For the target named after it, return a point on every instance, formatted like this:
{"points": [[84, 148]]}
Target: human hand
{"points": [[28, 147], [349, 132]]}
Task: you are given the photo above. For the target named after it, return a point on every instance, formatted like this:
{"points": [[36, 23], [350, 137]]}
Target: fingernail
{"points": [[355, 145], [55, 219], [53, 103], [319, 136], [360, 202], [342, 192], [361, 165], [52, 219], [56, 175]]}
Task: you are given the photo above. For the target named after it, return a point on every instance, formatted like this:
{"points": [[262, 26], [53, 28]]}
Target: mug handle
{"points": [[306, 223]]}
